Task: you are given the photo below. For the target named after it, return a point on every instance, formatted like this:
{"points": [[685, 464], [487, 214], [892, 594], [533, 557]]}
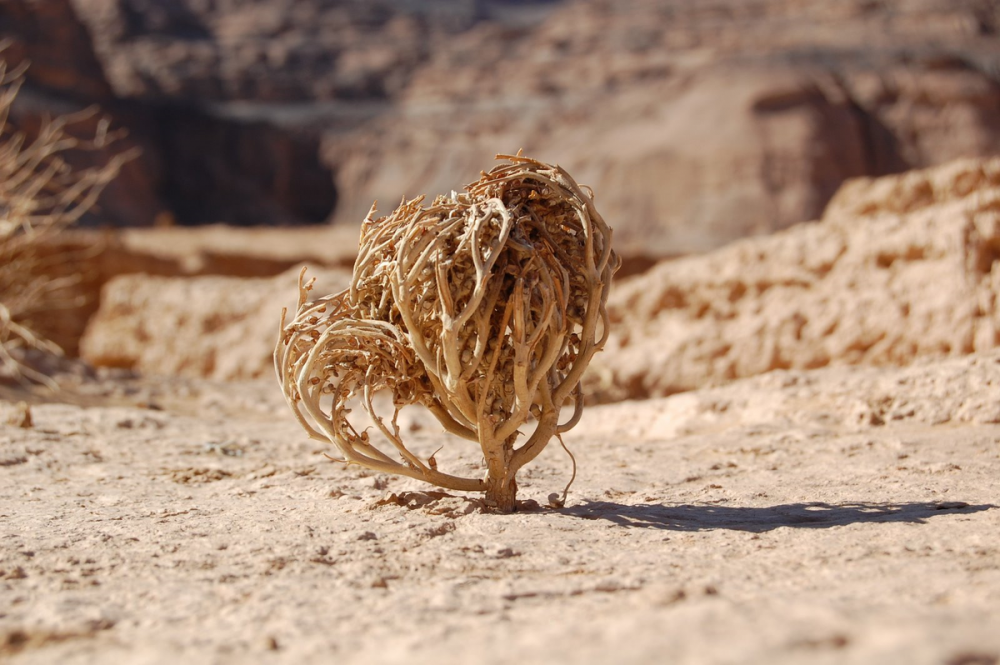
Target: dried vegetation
{"points": [[40, 195], [485, 307]]}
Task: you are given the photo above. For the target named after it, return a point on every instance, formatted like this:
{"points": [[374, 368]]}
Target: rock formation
{"points": [[697, 123], [33, 28], [218, 327], [198, 163], [69, 81], [98, 257], [900, 268], [270, 51]]}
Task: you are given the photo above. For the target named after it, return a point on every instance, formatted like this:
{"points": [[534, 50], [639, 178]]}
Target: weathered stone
{"points": [[219, 327], [695, 123], [901, 268], [90, 259]]}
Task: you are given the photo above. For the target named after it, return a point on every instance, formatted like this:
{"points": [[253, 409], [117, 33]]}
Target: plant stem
{"points": [[501, 486]]}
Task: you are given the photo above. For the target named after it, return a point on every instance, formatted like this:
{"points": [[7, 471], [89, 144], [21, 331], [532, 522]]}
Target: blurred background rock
{"points": [[697, 123]]}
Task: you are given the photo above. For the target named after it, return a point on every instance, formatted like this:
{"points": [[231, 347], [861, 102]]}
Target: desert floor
{"points": [[842, 515]]}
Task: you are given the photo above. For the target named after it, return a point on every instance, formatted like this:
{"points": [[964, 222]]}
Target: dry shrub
{"points": [[40, 195], [485, 307]]}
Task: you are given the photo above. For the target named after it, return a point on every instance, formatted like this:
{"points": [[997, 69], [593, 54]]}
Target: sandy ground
{"points": [[839, 516]]}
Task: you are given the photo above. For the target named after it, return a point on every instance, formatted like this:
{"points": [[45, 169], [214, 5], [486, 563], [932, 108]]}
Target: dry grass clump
{"points": [[40, 195], [485, 307]]}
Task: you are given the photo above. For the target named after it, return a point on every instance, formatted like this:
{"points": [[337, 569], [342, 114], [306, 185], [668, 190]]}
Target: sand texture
{"points": [[842, 515]]}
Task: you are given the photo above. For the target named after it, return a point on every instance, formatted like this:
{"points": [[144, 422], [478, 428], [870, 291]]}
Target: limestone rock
{"points": [[695, 124], [928, 392], [215, 327], [901, 268], [86, 260]]}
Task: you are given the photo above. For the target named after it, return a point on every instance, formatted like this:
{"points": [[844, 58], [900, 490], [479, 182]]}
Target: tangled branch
{"points": [[485, 307]]}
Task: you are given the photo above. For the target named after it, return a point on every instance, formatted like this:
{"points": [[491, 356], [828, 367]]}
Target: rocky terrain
{"points": [[91, 259], [842, 513], [697, 123], [899, 268], [216, 327], [839, 515], [794, 448]]}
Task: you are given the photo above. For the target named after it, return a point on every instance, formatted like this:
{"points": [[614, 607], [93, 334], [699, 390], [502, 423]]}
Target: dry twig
{"points": [[484, 306]]}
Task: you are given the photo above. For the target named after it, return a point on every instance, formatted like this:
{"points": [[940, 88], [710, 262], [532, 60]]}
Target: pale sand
{"points": [[774, 520]]}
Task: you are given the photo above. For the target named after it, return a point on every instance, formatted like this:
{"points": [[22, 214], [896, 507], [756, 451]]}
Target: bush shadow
{"points": [[705, 517]]}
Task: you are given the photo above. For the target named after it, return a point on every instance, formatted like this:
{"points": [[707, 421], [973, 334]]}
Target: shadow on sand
{"points": [[796, 515]]}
